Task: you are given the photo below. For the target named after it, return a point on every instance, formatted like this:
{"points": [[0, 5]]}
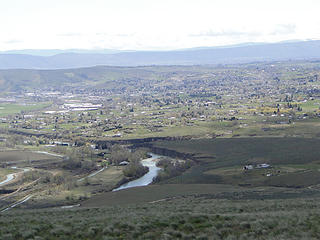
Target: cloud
{"points": [[225, 33], [125, 35], [70, 34], [13, 41], [284, 29]]}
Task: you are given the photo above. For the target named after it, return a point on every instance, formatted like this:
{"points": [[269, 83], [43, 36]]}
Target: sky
{"points": [[153, 24]]}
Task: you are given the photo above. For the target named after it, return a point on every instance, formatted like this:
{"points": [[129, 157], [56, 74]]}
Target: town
{"points": [[250, 99]]}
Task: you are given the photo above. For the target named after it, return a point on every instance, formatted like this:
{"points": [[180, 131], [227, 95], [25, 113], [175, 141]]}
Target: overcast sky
{"points": [[153, 24]]}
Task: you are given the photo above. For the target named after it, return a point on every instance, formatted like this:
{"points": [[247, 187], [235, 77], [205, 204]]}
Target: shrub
{"points": [[135, 169], [172, 168]]}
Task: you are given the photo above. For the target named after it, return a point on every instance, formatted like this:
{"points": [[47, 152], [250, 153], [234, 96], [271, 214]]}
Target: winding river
{"points": [[147, 178], [11, 176]]}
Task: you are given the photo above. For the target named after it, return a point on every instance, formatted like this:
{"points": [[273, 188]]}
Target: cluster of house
{"points": [[257, 166], [79, 106]]}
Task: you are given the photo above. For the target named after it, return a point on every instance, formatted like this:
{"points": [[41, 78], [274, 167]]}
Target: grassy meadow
{"points": [[14, 108]]}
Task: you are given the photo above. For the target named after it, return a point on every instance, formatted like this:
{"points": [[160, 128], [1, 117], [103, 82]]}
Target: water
{"points": [[11, 176], [147, 178]]}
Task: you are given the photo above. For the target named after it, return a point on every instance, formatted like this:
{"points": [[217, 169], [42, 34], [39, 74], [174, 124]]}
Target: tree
{"points": [[135, 169]]}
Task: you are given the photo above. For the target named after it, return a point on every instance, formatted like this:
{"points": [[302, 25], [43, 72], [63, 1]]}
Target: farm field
{"points": [[294, 162], [167, 192], [23, 157], [11, 108]]}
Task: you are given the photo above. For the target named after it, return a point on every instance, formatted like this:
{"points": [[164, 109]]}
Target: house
{"points": [[123, 163], [61, 143], [248, 167], [263, 165]]}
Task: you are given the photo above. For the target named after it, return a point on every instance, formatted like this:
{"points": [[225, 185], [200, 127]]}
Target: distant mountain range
{"points": [[52, 52], [75, 58]]}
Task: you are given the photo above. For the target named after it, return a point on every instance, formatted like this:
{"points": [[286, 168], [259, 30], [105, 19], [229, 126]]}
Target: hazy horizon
{"points": [[51, 52]]}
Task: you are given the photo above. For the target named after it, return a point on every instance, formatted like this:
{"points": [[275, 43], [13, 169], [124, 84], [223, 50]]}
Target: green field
{"points": [[24, 157], [9, 109], [215, 155]]}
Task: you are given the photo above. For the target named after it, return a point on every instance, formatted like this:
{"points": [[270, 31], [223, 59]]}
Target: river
{"points": [[148, 177], [11, 176]]}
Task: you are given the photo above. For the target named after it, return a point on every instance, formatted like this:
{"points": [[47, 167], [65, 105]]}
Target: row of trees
{"points": [[172, 168], [119, 154]]}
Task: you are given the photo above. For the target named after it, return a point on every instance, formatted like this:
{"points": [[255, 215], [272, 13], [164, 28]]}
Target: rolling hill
{"points": [[300, 50]]}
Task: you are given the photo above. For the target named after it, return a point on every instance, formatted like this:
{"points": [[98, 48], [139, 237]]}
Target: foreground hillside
{"points": [[196, 217]]}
